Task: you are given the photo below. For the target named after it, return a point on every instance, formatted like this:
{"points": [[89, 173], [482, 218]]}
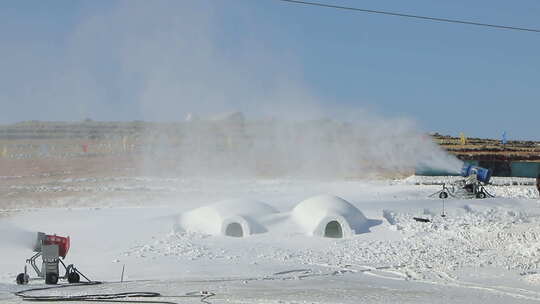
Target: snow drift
{"points": [[329, 216], [236, 218]]}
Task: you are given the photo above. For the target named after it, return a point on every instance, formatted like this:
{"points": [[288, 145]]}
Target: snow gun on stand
{"points": [[50, 248], [471, 186]]}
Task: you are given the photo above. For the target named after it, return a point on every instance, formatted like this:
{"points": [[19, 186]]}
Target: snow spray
{"points": [[17, 237], [289, 130]]}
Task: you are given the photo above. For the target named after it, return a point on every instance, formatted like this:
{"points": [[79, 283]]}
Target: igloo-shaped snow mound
{"points": [[236, 218], [329, 216]]}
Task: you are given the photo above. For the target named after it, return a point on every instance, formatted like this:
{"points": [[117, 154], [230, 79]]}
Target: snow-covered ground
{"points": [[480, 251]]}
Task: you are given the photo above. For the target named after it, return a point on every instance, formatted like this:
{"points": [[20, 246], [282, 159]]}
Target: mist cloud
{"points": [[169, 59], [13, 236], [160, 60]]}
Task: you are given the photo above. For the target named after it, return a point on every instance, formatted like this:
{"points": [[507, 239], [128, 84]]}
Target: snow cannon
{"points": [[50, 248], [482, 174], [472, 186]]}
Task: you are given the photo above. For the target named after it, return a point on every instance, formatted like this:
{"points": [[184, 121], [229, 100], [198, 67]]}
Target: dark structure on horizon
{"points": [[513, 158]]}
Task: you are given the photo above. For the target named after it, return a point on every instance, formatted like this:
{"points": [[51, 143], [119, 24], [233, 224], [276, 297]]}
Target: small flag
{"points": [[462, 139]]}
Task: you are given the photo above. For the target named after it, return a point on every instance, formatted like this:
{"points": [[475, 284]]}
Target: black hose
{"points": [[105, 297]]}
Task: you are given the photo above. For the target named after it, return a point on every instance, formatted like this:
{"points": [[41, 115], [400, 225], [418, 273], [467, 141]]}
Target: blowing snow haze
{"points": [[13, 236], [160, 60], [155, 61], [324, 148]]}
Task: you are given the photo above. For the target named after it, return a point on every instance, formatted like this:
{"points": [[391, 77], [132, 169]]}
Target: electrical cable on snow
{"points": [[107, 297]]}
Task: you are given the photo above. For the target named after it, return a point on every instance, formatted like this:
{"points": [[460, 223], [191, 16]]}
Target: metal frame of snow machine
{"points": [[459, 189]]}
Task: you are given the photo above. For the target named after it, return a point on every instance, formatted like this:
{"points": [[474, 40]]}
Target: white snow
{"points": [[481, 251]]}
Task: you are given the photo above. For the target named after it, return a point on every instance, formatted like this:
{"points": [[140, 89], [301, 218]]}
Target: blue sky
{"points": [[116, 60]]}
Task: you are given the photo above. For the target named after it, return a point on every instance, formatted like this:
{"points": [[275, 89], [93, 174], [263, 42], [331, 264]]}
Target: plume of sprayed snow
{"points": [[170, 50], [322, 148], [171, 58], [14, 236]]}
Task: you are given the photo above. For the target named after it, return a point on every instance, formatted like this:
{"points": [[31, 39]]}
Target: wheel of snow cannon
{"points": [[443, 195], [73, 277], [481, 195], [22, 279], [51, 278]]}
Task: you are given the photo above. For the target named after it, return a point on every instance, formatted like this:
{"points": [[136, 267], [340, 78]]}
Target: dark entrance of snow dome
{"points": [[333, 230], [234, 230]]}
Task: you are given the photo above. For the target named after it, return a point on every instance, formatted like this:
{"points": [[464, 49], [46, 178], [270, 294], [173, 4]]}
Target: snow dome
{"points": [[329, 216], [236, 218]]}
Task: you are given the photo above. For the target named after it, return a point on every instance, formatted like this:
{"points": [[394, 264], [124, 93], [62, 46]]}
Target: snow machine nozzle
{"points": [[482, 174], [44, 239]]}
